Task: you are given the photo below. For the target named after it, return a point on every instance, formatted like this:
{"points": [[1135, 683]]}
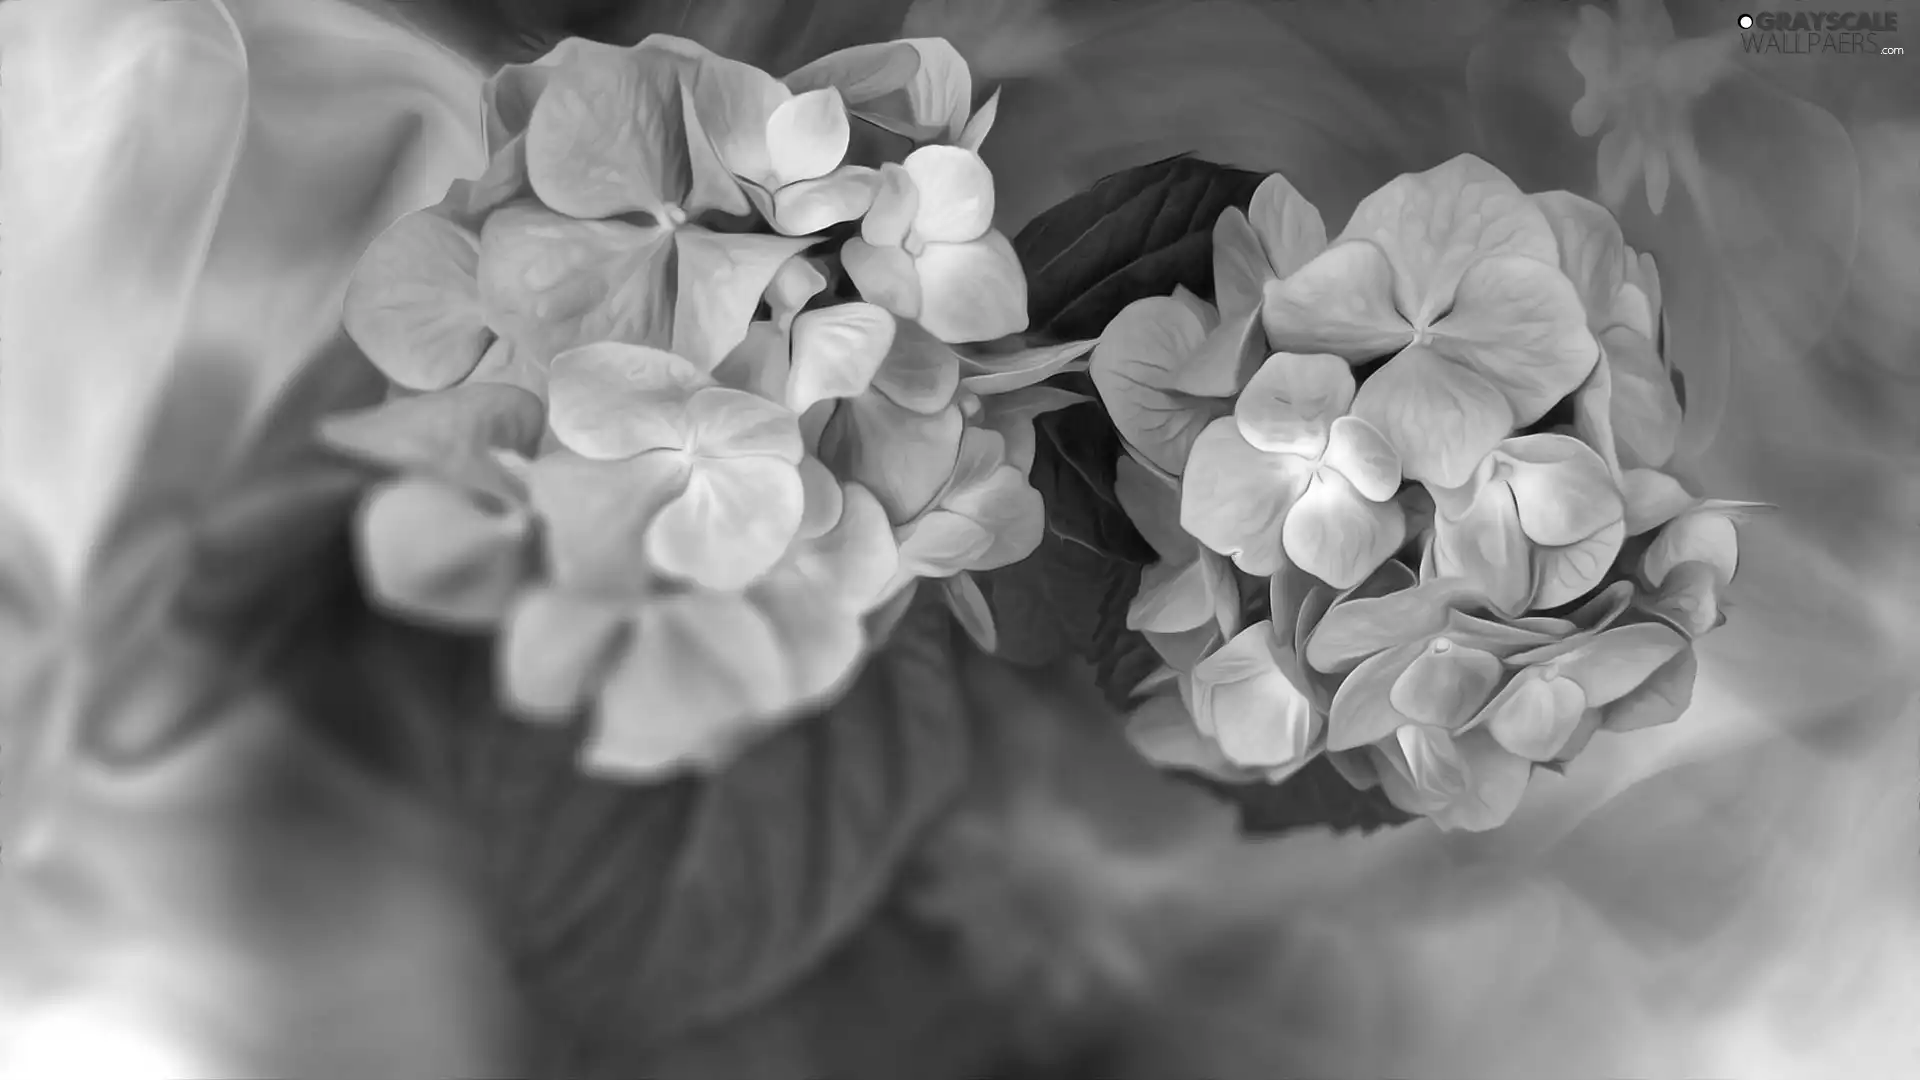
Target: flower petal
{"points": [[903, 456], [1593, 414], [1290, 229], [793, 287], [556, 647], [1234, 498], [1258, 718], [1362, 711], [1240, 267], [1434, 766], [614, 401], [1485, 546], [1162, 731], [920, 373], [1013, 414], [1560, 488], [1445, 684], [1226, 360], [450, 434], [1498, 783], [956, 194], [430, 551], [1134, 366], [1291, 401], [720, 282], [1563, 574], [1592, 250], [807, 136], [734, 103], [1357, 451], [988, 518], [1689, 598], [1355, 629], [970, 610], [884, 275], [760, 364], [981, 125], [552, 283], [1172, 597], [974, 291], [1535, 715], [1621, 159], [836, 352], [1617, 661], [1341, 302], [811, 206], [1004, 372], [413, 303], [1519, 323], [1433, 225], [721, 422], [595, 516], [608, 136], [896, 202], [1152, 503], [1441, 417], [1338, 535], [1699, 535], [822, 645], [917, 87], [1663, 698], [824, 500], [1644, 410], [732, 524], [700, 677]]}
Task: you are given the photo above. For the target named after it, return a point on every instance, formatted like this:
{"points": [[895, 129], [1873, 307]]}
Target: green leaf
{"points": [[642, 913], [1315, 797], [1134, 234]]}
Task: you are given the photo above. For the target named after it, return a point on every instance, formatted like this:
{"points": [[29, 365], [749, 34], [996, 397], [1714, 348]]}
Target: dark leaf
{"points": [[642, 913], [1315, 797], [1075, 452], [1134, 234]]}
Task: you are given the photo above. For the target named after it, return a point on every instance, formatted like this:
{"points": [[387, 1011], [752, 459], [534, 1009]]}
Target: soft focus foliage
{"points": [[1431, 441]]}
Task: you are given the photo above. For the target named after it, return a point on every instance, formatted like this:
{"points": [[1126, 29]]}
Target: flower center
{"points": [[675, 217]]}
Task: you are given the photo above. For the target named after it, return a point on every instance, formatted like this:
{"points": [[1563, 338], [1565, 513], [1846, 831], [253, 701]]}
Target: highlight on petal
{"points": [[555, 648], [1338, 535], [430, 551], [721, 280], [1234, 497], [734, 103], [884, 275], [810, 206], [1135, 365], [1561, 488], [413, 303], [1592, 250], [1441, 417], [551, 283], [1519, 324], [732, 524], [1563, 574], [807, 136], [702, 674], [1432, 225], [1291, 402], [974, 291], [904, 457], [1357, 451], [1341, 302], [595, 516], [613, 401], [1290, 229], [836, 352], [955, 188]]}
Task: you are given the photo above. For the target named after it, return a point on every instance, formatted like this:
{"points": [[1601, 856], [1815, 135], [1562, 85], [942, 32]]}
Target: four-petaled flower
{"points": [[1537, 526], [927, 250], [1291, 476], [1640, 83], [1455, 274]]}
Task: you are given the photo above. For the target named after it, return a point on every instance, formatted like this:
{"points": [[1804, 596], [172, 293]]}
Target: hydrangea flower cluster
{"points": [[1409, 490], [691, 385]]}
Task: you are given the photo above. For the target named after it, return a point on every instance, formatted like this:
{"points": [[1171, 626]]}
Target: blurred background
{"points": [[211, 862]]}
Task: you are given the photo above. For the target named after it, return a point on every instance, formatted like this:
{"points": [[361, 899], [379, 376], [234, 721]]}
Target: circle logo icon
{"points": [[1746, 22]]}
